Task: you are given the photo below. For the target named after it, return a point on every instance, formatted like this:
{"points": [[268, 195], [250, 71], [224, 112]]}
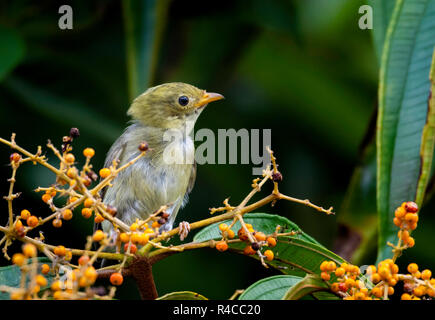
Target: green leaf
{"points": [[144, 23], [308, 285], [11, 50], [294, 255], [428, 140], [271, 288], [11, 276], [403, 94], [182, 295], [263, 222], [382, 12]]}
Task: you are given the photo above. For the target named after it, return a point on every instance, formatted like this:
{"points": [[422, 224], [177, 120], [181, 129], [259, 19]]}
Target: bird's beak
{"points": [[207, 98]]}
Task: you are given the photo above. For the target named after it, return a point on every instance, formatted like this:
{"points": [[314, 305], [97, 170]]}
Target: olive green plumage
{"points": [[152, 181]]}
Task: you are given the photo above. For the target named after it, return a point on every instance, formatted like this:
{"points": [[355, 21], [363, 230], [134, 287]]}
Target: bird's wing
{"points": [[190, 185], [116, 153]]}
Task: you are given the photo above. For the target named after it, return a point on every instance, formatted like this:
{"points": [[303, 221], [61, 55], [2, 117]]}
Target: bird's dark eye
{"points": [[183, 100]]}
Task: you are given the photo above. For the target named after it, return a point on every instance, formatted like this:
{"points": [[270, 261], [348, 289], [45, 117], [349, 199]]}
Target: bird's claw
{"points": [[183, 230]]}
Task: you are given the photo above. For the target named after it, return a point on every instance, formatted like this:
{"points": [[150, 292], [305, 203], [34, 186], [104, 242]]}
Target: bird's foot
{"points": [[183, 229]]}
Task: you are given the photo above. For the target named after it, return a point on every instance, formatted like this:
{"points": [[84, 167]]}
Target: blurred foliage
{"points": [[302, 68]]}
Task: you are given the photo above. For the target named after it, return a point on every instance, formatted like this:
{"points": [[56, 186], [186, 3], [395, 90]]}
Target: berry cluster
{"points": [[255, 240], [406, 218]]}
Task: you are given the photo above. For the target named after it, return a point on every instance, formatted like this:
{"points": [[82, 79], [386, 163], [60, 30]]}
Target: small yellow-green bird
{"points": [[164, 117]]}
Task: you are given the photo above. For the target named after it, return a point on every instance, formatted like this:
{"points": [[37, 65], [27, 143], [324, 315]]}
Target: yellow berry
{"points": [[325, 276], [390, 291], [134, 226], [57, 223], [324, 266], [124, 237], [86, 213], [143, 238], [29, 250], [41, 281], [269, 255], [98, 218], [67, 214], [377, 292], [104, 173], [412, 268], [69, 158], [60, 251], [340, 272], [400, 212], [25, 214], [88, 203], [426, 274], [56, 285], [45, 268], [230, 234], [223, 227], [88, 152], [271, 242], [46, 197], [406, 296], [260, 236], [72, 173], [91, 274], [98, 236], [18, 259]]}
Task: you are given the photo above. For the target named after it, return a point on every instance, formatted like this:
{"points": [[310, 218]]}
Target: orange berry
{"points": [[98, 218], [331, 266], [248, 250], [67, 214], [57, 223], [15, 157], [222, 246], [45, 268], [223, 227], [242, 235], [25, 214], [340, 272], [143, 238], [83, 260], [88, 203], [116, 279], [41, 281], [271, 242], [403, 234], [260, 236], [406, 296], [410, 242], [325, 276], [104, 173], [390, 291], [88, 152], [46, 197], [269, 255], [72, 199], [56, 285], [124, 237], [91, 274], [69, 158], [426, 274], [60, 251], [350, 282], [335, 287], [324, 266], [18, 259], [384, 272], [412, 226], [133, 248], [412, 268], [400, 212], [29, 250], [397, 222], [87, 213], [18, 225], [98, 236], [155, 224], [411, 218], [72, 173], [377, 292], [134, 226], [418, 291], [32, 221], [230, 234], [135, 237]]}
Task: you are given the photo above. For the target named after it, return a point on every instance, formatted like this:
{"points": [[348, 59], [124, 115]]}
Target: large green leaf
{"points": [[403, 95], [306, 286], [144, 22], [382, 11], [271, 288], [11, 50], [261, 221], [294, 255], [11, 276], [182, 295]]}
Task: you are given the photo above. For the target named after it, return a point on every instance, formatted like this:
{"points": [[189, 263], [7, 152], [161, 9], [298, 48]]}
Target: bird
{"points": [[164, 116]]}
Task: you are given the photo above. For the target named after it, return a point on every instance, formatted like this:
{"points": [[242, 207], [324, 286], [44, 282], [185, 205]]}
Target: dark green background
{"points": [[301, 68]]}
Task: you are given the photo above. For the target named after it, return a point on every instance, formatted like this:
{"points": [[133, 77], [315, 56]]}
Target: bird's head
{"points": [[171, 105]]}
